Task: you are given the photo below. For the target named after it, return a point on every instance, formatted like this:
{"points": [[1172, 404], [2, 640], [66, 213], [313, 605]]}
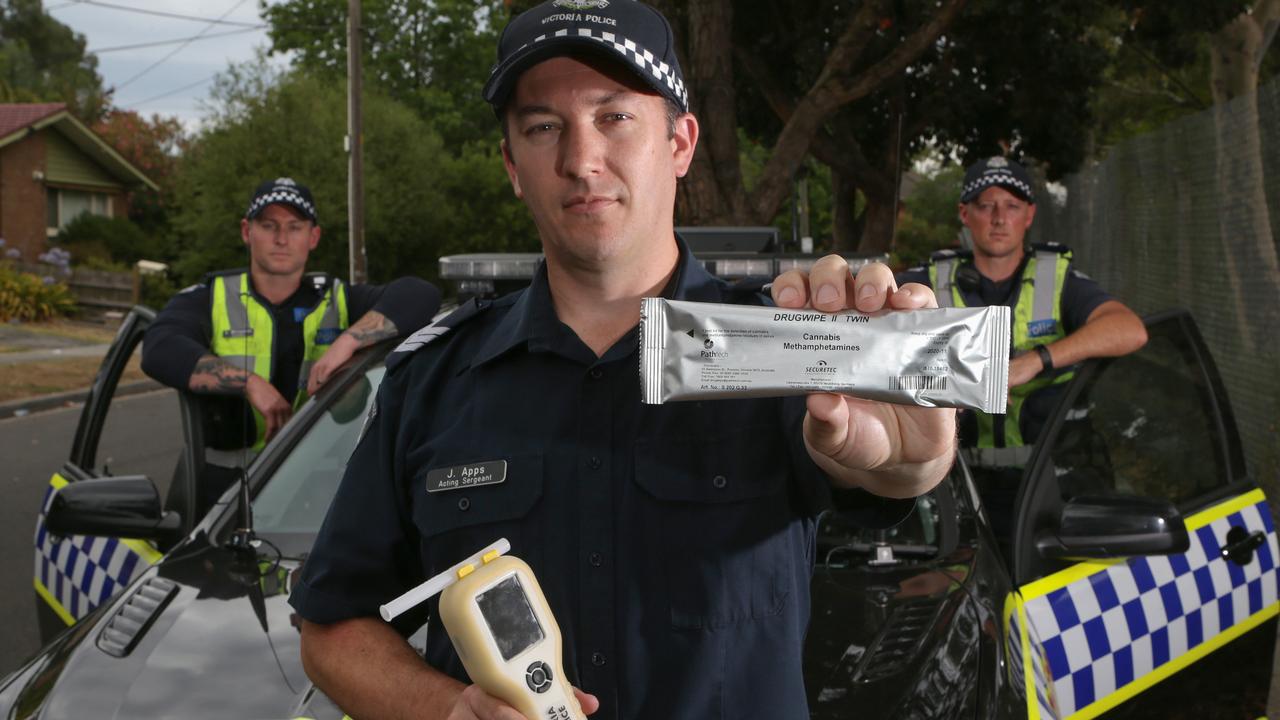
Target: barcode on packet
{"points": [[918, 382]]}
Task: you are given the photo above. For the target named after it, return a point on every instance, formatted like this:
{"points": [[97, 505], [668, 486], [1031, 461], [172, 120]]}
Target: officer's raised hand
{"points": [[268, 401], [888, 449]]}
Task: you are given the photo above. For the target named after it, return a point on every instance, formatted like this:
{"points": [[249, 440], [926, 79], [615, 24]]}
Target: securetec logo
{"points": [[821, 368]]}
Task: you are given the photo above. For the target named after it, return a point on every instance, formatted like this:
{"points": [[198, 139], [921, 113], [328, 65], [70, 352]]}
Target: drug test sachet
{"points": [[948, 357]]}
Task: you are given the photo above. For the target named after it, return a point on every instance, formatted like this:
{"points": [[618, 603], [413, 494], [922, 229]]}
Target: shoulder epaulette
{"points": [[949, 253], [436, 329]]}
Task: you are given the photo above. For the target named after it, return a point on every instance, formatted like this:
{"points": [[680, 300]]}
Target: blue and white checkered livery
{"points": [[1135, 622], [75, 574]]}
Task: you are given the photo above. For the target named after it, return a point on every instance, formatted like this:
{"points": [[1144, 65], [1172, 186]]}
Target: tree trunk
{"points": [[877, 228], [712, 193], [844, 215], [1243, 219]]}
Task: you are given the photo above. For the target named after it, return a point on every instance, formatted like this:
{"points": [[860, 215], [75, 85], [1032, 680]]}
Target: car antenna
{"points": [[242, 538]]}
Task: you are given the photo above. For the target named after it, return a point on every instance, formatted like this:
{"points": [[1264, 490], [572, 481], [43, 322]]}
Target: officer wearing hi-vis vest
{"points": [[273, 334], [1061, 317]]}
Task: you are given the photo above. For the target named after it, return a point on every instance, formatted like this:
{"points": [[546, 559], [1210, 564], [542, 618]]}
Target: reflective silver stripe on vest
{"points": [[238, 316], [944, 270], [1046, 285], [997, 457]]}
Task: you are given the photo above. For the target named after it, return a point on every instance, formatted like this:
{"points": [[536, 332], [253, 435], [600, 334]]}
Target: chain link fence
{"points": [[1189, 216]]}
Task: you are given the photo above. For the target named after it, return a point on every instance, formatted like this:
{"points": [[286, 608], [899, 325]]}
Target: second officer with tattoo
{"points": [[273, 334]]}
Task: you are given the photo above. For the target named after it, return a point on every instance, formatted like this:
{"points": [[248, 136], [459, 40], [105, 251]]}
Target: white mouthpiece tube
{"points": [[428, 589]]}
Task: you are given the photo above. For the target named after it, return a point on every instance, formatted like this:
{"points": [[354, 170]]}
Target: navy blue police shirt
{"points": [[674, 542]]}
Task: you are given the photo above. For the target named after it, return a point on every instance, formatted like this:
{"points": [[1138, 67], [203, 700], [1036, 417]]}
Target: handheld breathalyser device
{"points": [[503, 630]]}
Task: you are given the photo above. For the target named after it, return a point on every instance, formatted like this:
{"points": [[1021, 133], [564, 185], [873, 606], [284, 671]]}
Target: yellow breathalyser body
{"points": [[508, 640]]}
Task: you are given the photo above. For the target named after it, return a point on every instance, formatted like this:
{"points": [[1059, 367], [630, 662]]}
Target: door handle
{"points": [[1241, 544]]}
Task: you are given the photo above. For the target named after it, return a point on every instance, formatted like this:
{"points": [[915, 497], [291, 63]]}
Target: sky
{"points": [[170, 79]]}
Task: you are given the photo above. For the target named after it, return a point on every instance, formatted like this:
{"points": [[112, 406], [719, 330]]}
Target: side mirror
{"points": [[127, 506], [1115, 526]]}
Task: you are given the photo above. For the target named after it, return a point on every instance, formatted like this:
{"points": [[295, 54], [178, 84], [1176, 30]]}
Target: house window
{"points": [[63, 206]]}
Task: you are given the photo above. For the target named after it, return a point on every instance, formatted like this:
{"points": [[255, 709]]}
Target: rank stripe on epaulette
{"points": [[435, 330], [422, 337]]}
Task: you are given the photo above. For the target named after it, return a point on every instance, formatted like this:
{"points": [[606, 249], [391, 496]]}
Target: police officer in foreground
{"points": [[1061, 317], [674, 542], [272, 334]]}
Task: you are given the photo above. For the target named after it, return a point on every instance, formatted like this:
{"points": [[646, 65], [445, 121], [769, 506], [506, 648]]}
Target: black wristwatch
{"points": [[1046, 358]]}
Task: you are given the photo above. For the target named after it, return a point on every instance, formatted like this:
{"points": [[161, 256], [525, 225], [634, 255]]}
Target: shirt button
{"points": [[594, 462], [597, 659], [596, 559], [464, 504], [596, 373], [719, 482]]}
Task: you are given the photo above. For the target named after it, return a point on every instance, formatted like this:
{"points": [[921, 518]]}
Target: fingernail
{"points": [[788, 296], [866, 291], [827, 295]]}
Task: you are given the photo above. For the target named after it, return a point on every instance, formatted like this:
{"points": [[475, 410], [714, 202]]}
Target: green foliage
{"points": [[432, 55], [420, 201], [929, 221], [153, 146], [156, 290], [108, 241], [24, 296], [42, 60]]}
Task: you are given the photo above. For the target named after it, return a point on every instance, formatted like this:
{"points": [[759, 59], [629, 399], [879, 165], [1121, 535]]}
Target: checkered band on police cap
{"points": [[998, 172], [282, 191], [627, 30]]}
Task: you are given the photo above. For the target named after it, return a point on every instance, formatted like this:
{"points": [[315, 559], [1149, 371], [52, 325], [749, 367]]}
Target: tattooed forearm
{"points": [[212, 374], [371, 328]]}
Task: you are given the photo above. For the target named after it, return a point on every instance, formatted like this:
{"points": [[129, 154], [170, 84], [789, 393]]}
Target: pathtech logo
{"points": [[709, 353], [822, 368]]}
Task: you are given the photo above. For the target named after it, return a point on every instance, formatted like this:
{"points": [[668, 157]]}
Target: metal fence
{"points": [[1189, 216]]}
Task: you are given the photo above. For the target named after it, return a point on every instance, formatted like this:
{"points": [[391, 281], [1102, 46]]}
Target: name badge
{"points": [[489, 472]]}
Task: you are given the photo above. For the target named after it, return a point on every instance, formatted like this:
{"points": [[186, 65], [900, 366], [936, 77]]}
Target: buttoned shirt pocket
{"points": [[457, 522], [722, 520]]}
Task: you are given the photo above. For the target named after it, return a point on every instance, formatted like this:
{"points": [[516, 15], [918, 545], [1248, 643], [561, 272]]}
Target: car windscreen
{"points": [[291, 505]]}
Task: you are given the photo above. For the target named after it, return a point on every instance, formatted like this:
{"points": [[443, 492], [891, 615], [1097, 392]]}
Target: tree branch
{"points": [[831, 91]]}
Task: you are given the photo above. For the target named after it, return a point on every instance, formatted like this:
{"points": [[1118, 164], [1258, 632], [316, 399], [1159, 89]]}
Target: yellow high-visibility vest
{"points": [[244, 333], [1037, 320]]}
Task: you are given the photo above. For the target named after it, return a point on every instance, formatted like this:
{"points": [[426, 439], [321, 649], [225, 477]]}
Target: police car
{"points": [[1141, 570]]}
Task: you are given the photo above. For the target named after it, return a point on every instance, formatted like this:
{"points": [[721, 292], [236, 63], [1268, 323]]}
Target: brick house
{"points": [[53, 168]]}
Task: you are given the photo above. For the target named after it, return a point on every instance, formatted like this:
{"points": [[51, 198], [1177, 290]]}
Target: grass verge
{"points": [[33, 379]]}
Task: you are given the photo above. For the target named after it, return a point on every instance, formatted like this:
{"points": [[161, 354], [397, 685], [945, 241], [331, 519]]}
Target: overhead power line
{"points": [[157, 13], [170, 93], [183, 40], [199, 36]]}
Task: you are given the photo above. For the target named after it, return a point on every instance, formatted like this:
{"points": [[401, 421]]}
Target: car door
{"points": [[121, 431], [1134, 633]]}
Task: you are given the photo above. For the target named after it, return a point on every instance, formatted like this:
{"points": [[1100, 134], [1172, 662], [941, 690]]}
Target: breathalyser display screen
{"points": [[510, 618]]}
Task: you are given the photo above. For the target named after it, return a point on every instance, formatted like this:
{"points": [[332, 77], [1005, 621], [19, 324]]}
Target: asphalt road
{"points": [[144, 437]]}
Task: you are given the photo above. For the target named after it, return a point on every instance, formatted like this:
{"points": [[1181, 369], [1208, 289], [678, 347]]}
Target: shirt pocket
{"points": [[719, 514], [458, 522]]}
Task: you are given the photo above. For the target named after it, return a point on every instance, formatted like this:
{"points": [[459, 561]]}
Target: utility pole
{"points": [[355, 146]]}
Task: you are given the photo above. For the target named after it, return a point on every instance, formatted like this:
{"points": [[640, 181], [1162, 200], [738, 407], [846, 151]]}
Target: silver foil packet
{"points": [[950, 357]]}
